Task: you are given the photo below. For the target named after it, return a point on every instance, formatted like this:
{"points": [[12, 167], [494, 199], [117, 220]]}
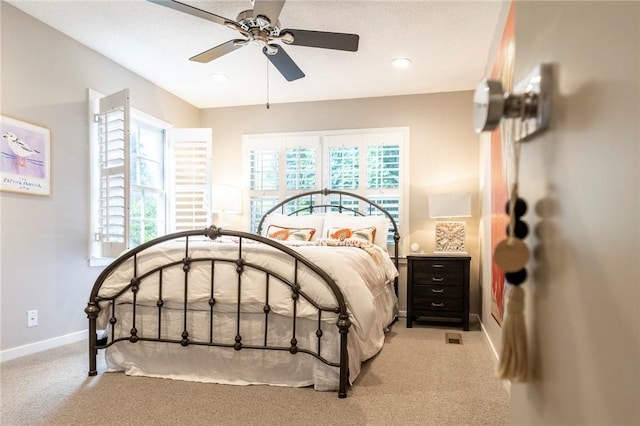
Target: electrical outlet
{"points": [[32, 318]]}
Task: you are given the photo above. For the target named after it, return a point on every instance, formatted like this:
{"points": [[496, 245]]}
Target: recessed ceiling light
{"points": [[401, 62], [219, 77]]}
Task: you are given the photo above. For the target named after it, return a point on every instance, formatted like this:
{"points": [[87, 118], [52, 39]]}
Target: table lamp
{"points": [[450, 235]]}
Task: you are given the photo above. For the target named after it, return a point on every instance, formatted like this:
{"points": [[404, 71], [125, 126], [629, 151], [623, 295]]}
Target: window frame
{"points": [[326, 139], [95, 257], [143, 120]]}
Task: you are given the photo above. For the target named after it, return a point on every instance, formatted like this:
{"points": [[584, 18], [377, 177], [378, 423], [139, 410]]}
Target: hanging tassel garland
{"points": [[513, 364], [512, 255]]}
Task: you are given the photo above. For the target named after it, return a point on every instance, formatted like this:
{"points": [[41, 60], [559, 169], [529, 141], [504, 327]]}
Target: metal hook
{"points": [[530, 103]]}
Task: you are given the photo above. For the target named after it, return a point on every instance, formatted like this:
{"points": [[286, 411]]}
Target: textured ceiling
{"points": [[448, 41]]}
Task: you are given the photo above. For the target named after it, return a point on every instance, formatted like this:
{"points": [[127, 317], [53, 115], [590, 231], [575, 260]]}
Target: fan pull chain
{"points": [[267, 61]]}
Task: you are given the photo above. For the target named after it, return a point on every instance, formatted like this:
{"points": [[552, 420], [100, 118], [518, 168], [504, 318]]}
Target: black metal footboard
{"points": [[152, 281]]}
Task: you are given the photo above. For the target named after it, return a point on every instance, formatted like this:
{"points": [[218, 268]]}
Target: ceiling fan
{"points": [[261, 26]]}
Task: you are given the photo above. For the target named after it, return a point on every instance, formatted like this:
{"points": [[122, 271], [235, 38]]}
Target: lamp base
{"points": [[450, 237]]}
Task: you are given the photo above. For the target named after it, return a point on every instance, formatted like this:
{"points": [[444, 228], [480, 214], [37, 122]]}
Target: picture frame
{"points": [[25, 157]]}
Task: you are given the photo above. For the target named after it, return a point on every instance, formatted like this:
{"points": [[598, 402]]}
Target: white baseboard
{"points": [[496, 356], [489, 342], [43, 345]]}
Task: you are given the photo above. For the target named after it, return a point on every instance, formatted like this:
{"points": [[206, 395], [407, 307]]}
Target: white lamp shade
{"points": [[226, 198], [450, 205]]}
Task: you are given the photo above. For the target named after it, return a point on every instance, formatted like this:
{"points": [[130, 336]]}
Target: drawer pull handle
{"points": [[437, 305], [438, 279], [437, 290], [438, 265]]}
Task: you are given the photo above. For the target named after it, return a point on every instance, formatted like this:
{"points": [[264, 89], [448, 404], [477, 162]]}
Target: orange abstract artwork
{"points": [[502, 70]]}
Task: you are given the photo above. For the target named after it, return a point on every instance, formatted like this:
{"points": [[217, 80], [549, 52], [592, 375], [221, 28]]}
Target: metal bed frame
{"points": [[154, 277], [291, 207]]}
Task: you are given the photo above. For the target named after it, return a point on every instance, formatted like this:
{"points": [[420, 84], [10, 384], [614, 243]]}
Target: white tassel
{"points": [[513, 364]]}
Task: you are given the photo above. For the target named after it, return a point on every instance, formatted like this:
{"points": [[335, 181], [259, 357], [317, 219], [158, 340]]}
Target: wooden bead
{"points": [[520, 207], [511, 255], [520, 228], [516, 278]]}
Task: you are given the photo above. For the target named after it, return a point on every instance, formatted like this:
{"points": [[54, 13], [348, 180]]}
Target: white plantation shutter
{"points": [[190, 178], [343, 163], [383, 167], [301, 164], [279, 167], [384, 178], [368, 162], [264, 179], [113, 146], [265, 169]]}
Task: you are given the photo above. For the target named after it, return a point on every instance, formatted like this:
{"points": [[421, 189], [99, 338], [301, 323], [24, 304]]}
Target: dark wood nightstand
{"points": [[438, 287]]}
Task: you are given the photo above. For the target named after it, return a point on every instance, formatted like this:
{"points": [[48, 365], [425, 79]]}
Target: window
{"points": [[368, 162], [146, 178], [190, 178], [147, 216]]}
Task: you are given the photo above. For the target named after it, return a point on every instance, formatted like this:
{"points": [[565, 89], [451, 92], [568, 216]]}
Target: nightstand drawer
{"points": [[444, 272], [438, 298]]}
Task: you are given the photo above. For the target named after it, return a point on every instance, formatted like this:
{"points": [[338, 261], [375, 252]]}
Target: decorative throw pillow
{"points": [[298, 222], [341, 220], [290, 234], [366, 234]]}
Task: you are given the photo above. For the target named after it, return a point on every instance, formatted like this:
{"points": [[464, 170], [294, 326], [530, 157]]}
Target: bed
{"points": [[302, 302]]}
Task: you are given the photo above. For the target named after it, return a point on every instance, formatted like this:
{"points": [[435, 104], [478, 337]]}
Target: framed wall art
{"points": [[25, 157]]}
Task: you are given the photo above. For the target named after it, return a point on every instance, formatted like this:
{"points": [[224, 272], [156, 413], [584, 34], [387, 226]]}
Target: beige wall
{"points": [[44, 240], [583, 294], [45, 75], [443, 151]]}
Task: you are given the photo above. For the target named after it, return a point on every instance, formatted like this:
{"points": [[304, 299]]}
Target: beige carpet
{"points": [[417, 379]]}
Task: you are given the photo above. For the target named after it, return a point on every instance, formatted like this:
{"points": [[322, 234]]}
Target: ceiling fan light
{"points": [[219, 77], [263, 21], [286, 38], [232, 25], [401, 62], [272, 49]]}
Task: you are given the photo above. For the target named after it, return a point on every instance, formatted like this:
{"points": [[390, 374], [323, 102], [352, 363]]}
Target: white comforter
{"points": [[360, 272]]}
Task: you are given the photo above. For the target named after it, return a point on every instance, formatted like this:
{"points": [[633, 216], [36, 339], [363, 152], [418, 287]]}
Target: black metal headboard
{"points": [[307, 202]]}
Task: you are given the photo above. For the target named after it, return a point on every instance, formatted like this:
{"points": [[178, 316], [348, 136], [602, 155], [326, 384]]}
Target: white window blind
{"points": [[368, 162], [190, 178], [301, 168], [142, 184], [265, 169], [383, 166], [278, 167], [344, 167], [113, 146]]}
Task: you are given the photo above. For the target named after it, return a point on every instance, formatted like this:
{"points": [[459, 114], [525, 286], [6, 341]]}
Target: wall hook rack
{"points": [[526, 111], [530, 102]]}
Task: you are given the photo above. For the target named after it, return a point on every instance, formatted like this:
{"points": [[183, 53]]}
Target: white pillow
{"points": [[334, 220], [312, 221]]}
